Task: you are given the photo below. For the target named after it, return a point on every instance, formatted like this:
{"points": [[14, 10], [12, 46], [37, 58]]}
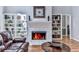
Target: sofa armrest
{"points": [[8, 44], [25, 46], [19, 40]]}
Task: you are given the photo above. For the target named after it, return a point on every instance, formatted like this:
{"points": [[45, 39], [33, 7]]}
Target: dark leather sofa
{"points": [[13, 45]]}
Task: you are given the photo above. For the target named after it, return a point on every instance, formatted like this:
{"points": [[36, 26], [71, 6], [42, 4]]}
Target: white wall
{"points": [[28, 10], [75, 25], [1, 18], [62, 10]]}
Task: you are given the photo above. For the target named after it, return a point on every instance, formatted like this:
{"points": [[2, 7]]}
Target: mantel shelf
{"points": [[39, 21]]}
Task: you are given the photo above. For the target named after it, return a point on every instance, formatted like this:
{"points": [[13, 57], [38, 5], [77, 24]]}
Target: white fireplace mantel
{"points": [[39, 26], [45, 24]]}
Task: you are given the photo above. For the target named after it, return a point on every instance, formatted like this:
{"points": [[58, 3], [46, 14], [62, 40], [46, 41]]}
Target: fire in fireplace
{"points": [[38, 35]]}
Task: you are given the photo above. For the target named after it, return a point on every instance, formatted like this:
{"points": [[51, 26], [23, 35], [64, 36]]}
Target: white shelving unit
{"points": [[61, 26], [56, 27], [16, 23]]}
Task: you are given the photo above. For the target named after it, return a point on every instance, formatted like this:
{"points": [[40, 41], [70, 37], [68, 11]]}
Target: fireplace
{"points": [[38, 35]]}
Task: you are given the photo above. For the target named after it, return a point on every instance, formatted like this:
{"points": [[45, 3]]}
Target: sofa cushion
{"points": [[10, 51], [19, 40], [16, 44], [13, 48]]}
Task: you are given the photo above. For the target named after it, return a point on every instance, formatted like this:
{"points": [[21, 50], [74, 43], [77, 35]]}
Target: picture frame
{"points": [[18, 17], [39, 11]]}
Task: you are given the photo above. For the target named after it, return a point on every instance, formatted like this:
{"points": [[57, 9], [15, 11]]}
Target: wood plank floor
{"points": [[35, 48], [74, 45]]}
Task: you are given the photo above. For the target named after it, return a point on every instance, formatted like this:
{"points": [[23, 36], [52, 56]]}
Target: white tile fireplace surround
{"points": [[39, 26]]}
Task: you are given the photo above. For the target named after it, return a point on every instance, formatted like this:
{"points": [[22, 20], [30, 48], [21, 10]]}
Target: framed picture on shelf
{"points": [[18, 17], [10, 21], [6, 24], [53, 24], [55, 28], [39, 11], [11, 25], [58, 21], [53, 21], [18, 31], [56, 17], [58, 25], [19, 25], [7, 17]]}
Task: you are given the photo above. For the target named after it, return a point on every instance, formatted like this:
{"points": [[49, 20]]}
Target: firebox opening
{"points": [[38, 35]]}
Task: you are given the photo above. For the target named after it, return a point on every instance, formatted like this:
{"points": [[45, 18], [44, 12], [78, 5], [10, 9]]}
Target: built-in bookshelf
{"points": [[56, 26], [16, 23], [61, 26]]}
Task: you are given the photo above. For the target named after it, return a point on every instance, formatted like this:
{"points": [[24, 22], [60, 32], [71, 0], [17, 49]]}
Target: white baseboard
{"points": [[74, 39]]}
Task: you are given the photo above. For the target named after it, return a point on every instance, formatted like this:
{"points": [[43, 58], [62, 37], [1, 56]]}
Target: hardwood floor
{"points": [[74, 45], [35, 48]]}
